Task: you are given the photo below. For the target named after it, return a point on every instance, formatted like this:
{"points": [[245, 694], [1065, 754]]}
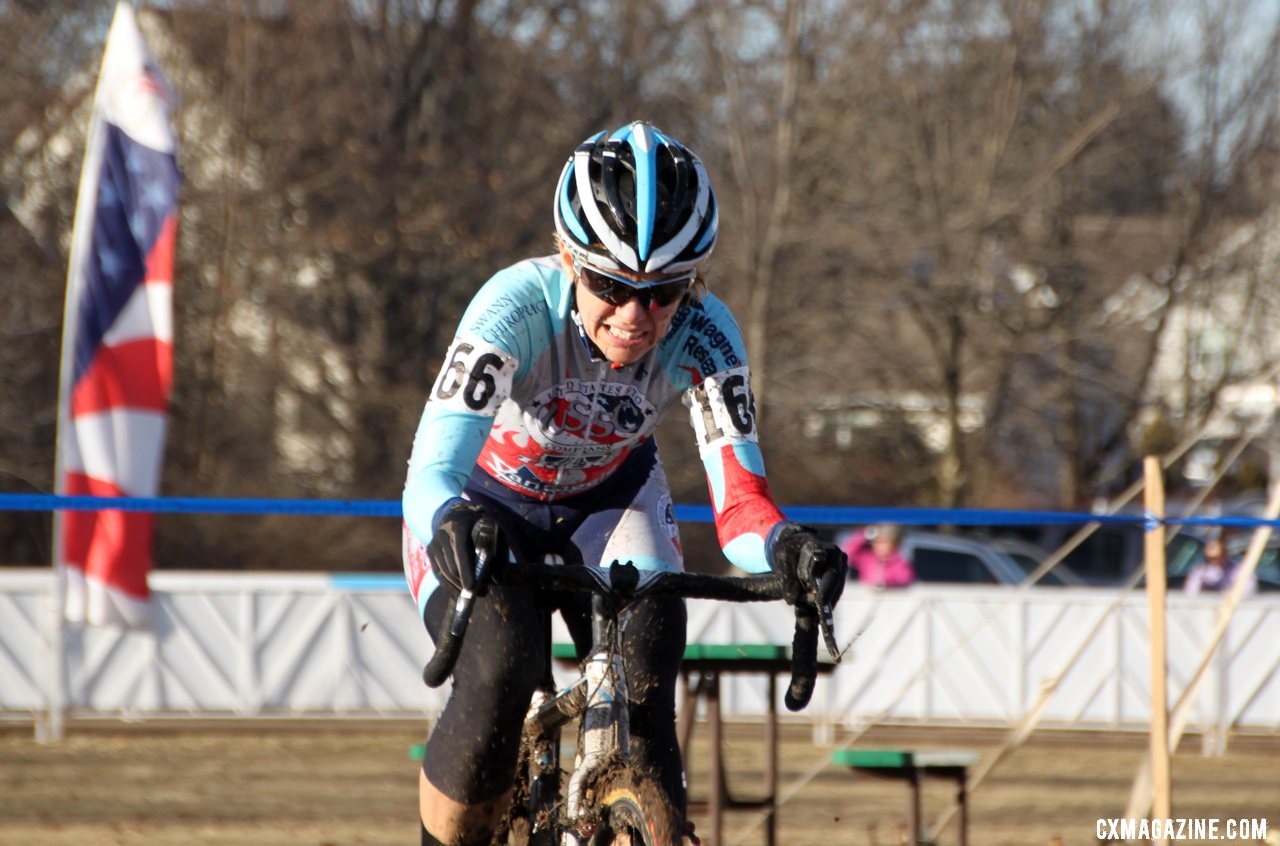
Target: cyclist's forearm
{"points": [[444, 454], [745, 512], [474, 381]]}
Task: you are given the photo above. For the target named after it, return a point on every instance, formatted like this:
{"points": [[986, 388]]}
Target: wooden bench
{"points": [[912, 767]]}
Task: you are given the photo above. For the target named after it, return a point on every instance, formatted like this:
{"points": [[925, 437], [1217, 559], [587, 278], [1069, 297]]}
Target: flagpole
{"points": [[53, 726]]}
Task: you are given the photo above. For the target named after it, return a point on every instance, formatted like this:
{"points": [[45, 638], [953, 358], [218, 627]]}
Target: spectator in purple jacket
{"points": [[1218, 572], [873, 553]]}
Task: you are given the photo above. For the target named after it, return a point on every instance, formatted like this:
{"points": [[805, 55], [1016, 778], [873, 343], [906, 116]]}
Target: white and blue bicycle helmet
{"points": [[636, 200]]}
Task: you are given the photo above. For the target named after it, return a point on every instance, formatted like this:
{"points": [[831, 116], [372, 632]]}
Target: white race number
{"points": [[476, 377], [723, 408]]}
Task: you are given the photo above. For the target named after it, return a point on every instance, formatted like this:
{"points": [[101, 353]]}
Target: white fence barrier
{"points": [[312, 645]]}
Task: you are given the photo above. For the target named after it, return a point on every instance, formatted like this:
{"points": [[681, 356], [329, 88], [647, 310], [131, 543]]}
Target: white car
{"points": [[939, 558]]}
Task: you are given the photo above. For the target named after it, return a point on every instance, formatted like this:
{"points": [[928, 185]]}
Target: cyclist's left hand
{"points": [[811, 566], [452, 550]]}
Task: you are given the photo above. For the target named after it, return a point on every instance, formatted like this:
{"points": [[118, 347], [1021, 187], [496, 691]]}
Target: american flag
{"points": [[117, 351]]}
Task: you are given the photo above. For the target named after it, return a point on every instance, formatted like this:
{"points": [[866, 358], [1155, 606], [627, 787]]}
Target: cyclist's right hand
{"points": [[452, 549], [813, 569]]}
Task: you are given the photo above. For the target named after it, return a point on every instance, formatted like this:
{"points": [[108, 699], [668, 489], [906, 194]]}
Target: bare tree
{"points": [[957, 165], [975, 236], [43, 57]]}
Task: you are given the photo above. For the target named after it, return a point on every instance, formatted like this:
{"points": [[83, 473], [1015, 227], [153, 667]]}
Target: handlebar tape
{"points": [[804, 660], [441, 664], [484, 535]]}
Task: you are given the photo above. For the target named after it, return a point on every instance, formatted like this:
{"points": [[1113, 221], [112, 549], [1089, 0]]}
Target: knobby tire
{"points": [[515, 828], [631, 802]]}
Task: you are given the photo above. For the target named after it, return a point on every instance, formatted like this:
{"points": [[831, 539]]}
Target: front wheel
{"points": [[633, 811]]}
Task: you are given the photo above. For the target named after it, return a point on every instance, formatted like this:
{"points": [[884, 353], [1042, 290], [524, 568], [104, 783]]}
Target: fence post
{"points": [[1156, 590], [1222, 719], [50, 726]]}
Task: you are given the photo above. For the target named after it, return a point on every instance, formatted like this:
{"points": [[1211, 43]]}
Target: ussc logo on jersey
{"points": [[596, 412]]}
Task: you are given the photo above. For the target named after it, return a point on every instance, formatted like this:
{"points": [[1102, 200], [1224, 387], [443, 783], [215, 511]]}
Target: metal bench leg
{"points": [[716, 785], [688, 713], [771, 765], [913, 810]]}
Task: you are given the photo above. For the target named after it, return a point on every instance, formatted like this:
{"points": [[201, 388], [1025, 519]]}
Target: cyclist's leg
{"points": [[470, 758], [652, 648], [643, 530]]}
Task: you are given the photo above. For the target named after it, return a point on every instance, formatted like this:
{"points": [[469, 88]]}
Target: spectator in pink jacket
{"points": [[873, 553]]}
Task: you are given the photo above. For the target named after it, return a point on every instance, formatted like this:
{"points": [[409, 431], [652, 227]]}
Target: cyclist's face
{"points": [[624, 333]]}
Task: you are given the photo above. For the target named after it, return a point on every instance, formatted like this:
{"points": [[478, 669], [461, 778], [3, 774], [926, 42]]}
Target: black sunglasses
{"points": [[617, 291]]}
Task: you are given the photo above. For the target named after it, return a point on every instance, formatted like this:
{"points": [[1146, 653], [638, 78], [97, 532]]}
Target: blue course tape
{"points": [[947, 517], [809, 514], [822, 515], [201, 505]]}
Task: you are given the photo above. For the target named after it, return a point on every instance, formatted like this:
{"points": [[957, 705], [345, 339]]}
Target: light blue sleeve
{"points": [[506, 326], [445, 450], [706, 359], [519, 310]]}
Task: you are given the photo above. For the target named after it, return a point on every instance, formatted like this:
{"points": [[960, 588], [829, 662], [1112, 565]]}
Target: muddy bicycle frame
{"points": [[598, 698]]}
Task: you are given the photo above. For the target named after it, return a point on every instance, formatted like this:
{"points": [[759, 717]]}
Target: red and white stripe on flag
{"points": [[117, 367]]}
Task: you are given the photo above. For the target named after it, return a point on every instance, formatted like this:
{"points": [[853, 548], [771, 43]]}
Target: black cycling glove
{"points": [[809, 565], [453, 548]]}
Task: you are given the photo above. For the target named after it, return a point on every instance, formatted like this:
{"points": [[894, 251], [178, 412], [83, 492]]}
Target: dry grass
{"points": [[308, 784]]}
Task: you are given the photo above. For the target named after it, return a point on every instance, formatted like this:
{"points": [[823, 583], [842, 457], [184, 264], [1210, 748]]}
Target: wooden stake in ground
{"points": [[1156, 589], [1140, 797]]}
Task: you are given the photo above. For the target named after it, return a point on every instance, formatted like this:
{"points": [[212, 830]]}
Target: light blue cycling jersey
{"points": [[524, 395]]}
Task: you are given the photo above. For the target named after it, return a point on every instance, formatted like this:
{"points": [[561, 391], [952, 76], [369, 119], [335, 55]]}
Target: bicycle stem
{"points": [[604, 619]]}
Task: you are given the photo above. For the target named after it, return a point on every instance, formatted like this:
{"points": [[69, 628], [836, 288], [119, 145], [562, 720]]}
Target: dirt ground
{"points": [[291, 783]]}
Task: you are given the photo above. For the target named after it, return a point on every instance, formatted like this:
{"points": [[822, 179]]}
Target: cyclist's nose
{"points": [[632, 310]]}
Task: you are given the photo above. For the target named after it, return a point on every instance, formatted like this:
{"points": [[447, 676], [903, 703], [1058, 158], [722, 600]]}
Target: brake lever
{"points": [[827, 624], [484, 535], [824, 613]]}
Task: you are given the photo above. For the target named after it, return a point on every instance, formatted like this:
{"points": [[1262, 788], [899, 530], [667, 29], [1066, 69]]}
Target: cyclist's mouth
{"points": [[626, 337]]}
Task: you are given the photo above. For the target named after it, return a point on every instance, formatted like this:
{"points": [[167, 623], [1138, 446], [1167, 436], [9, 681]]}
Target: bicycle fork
{"points": [[599, 698], [543, 764], [604, 735]]}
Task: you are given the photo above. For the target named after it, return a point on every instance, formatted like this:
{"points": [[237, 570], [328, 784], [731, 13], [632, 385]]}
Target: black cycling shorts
{"points": [[471, 754]]}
